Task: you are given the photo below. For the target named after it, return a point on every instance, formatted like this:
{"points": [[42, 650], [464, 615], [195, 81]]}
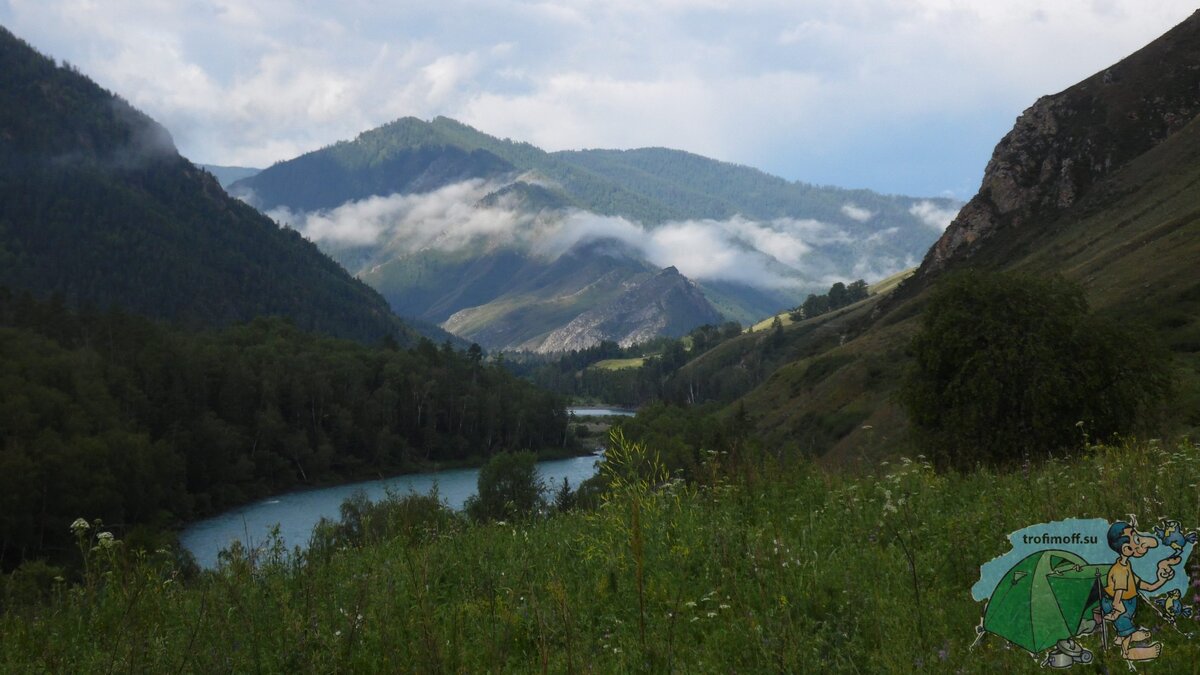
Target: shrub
{"points": [[416, 518], [509, 488], [1008, 367]]}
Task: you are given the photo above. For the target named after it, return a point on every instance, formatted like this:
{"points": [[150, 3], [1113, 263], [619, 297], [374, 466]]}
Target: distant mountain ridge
{"points": [[651, 185], [351, 188], [228, 175], [96, 205]]}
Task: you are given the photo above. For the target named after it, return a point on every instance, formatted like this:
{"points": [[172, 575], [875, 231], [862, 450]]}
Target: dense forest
{"points": [[643, 377], [97, 205], [143, 425]]}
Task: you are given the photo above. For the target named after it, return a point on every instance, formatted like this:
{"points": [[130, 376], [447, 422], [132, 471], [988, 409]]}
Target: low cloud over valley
{"points": [[789, 254]]}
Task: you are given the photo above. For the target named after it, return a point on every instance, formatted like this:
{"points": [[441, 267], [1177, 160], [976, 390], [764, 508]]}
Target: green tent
{"points": [[1044, 599]]}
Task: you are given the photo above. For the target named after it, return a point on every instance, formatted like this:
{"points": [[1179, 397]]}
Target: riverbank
{"points": [[291, 516], [255, 531]]}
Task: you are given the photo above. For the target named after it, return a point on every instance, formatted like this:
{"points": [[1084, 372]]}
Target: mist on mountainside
{"points": [[794, 255]]}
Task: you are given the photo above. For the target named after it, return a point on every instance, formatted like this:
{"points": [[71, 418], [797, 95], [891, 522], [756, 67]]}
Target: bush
{"points": [[509, 488], [30, 582], [415, 518], [1008, 367]]}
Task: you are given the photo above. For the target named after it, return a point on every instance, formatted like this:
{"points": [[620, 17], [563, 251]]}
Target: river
{"points": [[600, 411], [297, 512]]}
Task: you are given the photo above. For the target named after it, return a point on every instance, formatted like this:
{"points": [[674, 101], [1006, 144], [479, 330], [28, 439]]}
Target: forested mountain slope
{"points": [[145, 425], [426, 211], [97, 205]]}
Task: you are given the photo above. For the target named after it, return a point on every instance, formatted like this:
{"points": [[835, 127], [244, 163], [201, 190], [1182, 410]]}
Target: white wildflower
{"points": [[80, 526]]}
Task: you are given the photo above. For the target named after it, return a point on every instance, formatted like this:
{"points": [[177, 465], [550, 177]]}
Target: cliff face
{"points": [[666, 304], [1066, 143]]}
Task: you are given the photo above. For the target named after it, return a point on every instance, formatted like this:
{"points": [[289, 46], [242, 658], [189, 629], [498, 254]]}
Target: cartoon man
{"points": [[1120, 598]]}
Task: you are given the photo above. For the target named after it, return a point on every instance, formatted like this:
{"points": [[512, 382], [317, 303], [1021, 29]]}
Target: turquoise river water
{"points": [[297, 512]]}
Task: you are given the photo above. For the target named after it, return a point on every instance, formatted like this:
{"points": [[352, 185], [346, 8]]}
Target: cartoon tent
{"points": [[1044, 599]]}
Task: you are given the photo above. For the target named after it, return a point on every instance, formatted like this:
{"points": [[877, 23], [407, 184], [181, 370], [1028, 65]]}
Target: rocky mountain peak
{"points": [[667, 303]]}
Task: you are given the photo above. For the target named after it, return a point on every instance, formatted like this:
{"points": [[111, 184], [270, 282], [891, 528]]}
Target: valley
{"points": [[428, 399], [518, 249]]}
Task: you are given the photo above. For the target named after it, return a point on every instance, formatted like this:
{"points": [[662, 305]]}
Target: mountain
{"points": [[228, 175], [96, 205], [615, 303], [1097, 184], [442, 218], [1063, 147], [665, 304]]}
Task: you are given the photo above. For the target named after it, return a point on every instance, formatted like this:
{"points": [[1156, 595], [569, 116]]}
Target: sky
{"points": [[899, 96]]}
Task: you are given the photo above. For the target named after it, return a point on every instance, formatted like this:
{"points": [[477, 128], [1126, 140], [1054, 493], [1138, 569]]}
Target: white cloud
{"points": [[933, 215], [856, 213], [447, 219], [784, 253], [240, 83]]}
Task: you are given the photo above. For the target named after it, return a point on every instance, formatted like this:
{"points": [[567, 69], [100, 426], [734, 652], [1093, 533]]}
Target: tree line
{"points": [[840, 295], [109, 415], [573, 373]]}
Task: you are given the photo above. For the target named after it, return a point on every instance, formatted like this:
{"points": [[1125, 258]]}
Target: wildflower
{"points": [[711, 614], [105, 539], [80, 527], [337, 633], [723, 606], [690, 603]]}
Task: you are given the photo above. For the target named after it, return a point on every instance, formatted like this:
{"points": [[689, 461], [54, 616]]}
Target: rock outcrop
{"points": [[666, 304], [1066, 143]]}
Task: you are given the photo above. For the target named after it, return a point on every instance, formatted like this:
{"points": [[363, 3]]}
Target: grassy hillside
{"points": [[885, 285], [620, 364], [1128, 233], [799, 572], [1130, 243]]}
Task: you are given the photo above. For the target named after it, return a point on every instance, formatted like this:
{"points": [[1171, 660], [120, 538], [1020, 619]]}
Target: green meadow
{"points": [[758, 567]]}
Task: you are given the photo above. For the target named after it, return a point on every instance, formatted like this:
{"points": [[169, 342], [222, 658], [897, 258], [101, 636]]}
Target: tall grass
{"points": [[802, 572]]}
